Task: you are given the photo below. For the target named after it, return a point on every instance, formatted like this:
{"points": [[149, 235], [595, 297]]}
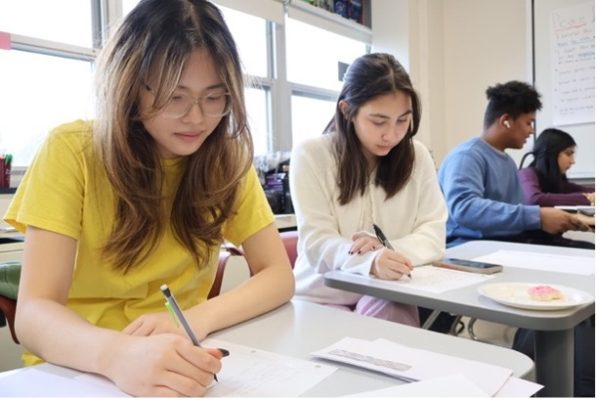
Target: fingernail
{"points": [[224, 352]]}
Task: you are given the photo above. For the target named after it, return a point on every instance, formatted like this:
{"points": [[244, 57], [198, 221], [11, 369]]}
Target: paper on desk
{"points": [[515, 387], [250, 372], [435, 280], [541, 261], [245, 372], [455, 385], [410, 364], [56, 382]]}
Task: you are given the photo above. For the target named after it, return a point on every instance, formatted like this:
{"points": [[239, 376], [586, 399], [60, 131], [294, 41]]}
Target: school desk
{"points": [[298, 328], [554, 338]]}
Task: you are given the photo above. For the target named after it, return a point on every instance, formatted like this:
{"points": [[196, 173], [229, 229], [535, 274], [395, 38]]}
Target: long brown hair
{"points": [[155, 39], [370, 76]]}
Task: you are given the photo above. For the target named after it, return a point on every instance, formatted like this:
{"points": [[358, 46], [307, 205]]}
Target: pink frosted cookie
{"points": [[544, 293]]}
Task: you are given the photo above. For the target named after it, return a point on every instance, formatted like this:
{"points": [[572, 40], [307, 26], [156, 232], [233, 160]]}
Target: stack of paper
{"points": [[413, 365]]}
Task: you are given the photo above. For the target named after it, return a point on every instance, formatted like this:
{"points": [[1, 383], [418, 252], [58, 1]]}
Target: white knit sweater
{"points": [[413, 220]]}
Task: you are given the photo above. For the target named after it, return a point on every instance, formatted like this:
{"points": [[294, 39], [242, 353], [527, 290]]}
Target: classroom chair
{"points": [[10, 273], [289, 238]]}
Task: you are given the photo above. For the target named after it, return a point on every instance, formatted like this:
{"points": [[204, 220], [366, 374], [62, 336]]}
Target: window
{"points": [[48, 20], [46, 77], [56, 92], [320, 112], [290, 64], [315, 84], [317, 65], [250, 35]]}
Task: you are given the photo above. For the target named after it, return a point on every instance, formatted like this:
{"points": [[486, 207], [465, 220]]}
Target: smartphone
{"points": [[468, 265]]}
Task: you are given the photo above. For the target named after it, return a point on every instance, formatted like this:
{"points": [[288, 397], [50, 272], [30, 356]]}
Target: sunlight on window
{"points": [[256, 105], [46, 20], [57, 90], [249, 33], [310, 116], [313, 54]]}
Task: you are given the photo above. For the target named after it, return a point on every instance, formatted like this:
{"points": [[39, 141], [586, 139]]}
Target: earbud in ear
{"points": [[507, 124]]}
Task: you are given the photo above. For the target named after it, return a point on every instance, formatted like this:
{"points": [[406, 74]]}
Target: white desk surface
{"points": [[298, 327], [467, 301], [554, 329]]}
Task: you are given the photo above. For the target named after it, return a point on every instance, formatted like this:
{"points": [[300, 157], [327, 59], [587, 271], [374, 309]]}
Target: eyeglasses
{"points": [[214, 104]]}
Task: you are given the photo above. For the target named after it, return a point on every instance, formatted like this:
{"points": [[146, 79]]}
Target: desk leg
{"points": [[554, 362]]}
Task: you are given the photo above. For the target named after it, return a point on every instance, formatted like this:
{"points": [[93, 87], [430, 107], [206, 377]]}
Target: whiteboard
{"points": [[564, 63]]}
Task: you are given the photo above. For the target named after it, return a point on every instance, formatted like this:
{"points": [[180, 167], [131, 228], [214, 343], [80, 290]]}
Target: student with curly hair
{"points": [[480, 181]]}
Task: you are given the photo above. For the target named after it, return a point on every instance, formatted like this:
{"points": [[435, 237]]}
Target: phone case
{"points": [[491, 269]]}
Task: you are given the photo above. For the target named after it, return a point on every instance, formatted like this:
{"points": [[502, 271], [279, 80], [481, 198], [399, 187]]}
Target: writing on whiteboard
{"points": [[573, 48]]}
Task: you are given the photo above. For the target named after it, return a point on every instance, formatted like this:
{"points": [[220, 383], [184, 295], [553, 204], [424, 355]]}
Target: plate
{"points": [[514, 294]]}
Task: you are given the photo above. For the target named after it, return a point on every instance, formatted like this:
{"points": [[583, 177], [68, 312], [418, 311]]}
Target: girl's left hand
{"points": [[152, 324], [364, 242]]}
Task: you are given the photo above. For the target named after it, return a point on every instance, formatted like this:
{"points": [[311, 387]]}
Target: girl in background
{"points": [[367, 169], [545, 182], [143, 196]]}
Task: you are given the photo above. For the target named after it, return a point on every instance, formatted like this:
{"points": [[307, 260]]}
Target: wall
{"points": [[449, 64]]}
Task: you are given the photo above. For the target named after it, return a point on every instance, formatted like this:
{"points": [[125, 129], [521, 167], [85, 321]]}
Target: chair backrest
{"points": [[8, 308], [290, 240], [10, 273]]}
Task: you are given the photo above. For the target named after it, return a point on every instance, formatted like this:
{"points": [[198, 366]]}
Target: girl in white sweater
{"points": [[366, 169]]}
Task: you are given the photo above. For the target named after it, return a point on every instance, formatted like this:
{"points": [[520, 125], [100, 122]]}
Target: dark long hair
{"points": [[370, 76], [548, 145], [155, 40]]}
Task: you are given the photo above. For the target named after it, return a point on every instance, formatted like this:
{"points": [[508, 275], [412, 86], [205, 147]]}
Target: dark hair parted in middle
{"points": [[368, 77]]}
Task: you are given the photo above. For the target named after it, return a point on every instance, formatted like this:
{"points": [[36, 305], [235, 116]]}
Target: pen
{"points": [[173, 307], [383, 240]]}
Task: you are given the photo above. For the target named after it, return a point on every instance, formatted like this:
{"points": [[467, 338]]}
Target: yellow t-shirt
{"points": [[65, 191]]}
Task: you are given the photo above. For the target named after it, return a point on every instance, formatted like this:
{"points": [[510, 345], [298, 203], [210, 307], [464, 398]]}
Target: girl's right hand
{"points": [[391, 265], [162, 365]]}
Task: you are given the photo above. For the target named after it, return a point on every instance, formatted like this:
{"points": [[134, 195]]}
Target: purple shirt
{"points": [[533, 194]]}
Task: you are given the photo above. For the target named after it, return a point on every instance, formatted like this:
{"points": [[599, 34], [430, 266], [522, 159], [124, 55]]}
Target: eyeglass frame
{"points": [[196, 100]]}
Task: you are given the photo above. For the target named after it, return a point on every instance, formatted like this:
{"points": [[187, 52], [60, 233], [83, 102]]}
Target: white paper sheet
{"points": [[455, 385], [436, 280], [412, 364], [515, 387], [250, 372], [541, 261], [245, 372], [52, 381]]}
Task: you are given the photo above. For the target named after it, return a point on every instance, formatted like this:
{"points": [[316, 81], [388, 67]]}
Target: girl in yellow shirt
{"points": [[142, 196]]}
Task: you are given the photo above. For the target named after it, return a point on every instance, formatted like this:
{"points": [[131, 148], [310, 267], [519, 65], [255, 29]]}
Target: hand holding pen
{"points": [[175, 310], [390, 265]]}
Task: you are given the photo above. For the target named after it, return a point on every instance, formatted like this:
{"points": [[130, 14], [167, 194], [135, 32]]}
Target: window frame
{"points": [[106, 13]]}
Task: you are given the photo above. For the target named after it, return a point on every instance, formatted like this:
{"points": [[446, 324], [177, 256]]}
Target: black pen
{"points": [[383, 240], [174, 307]]}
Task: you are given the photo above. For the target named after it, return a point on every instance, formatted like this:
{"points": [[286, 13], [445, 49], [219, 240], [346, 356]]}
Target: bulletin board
{"points": [[564, 74]]}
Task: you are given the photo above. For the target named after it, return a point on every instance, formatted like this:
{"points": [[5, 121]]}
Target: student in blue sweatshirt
{"points": [[480, 180], [481, 186]]}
